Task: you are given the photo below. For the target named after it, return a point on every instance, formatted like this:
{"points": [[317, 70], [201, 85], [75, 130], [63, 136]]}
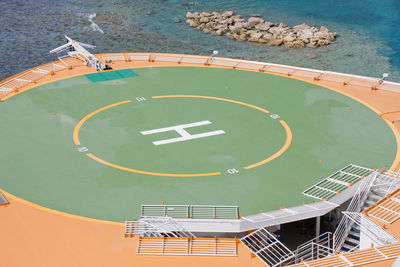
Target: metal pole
{"points": [[317, 227]]}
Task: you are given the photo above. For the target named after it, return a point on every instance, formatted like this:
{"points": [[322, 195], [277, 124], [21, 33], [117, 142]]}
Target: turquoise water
{"points": [[368, 41]]}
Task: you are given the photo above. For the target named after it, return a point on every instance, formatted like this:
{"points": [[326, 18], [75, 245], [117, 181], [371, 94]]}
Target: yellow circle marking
{"points": [[215, 98], [280, 152], [90, 155], [82, 121], [149, 173], [289, 135]]}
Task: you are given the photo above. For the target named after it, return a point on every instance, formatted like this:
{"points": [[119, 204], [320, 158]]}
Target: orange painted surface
{"points": [[34, 236], [31, 236], [394, 227]]}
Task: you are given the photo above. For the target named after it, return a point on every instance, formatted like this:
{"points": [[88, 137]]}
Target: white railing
{"points": [[355, 205], [316, 248], [387, 182], [174, 211], [187, 246], [371, 229], [337, 182], [155, 227], [266, 247], [387, 210], [113, 57], [358, 258], [191, 211], [318, 75]]}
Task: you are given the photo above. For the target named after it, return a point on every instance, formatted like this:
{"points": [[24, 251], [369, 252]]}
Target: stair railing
{"points": [[355, 205]]}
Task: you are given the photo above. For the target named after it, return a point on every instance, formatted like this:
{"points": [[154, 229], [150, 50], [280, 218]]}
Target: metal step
{"points": [[377, 192], [346, 247], [354, 233], [369, 202], [352, 240], [374, 197]]}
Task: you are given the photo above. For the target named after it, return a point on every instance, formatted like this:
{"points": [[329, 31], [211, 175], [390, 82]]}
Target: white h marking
{"points": [[180, 129]]}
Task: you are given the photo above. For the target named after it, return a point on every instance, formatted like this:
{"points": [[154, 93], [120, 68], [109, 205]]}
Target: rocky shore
{"points": [[256, 29]]}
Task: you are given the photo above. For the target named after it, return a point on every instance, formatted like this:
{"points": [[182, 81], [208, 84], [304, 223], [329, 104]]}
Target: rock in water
{"points": [[255, 29]]}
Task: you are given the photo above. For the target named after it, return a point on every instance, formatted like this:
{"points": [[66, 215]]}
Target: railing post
{"points": [[312, 250]]}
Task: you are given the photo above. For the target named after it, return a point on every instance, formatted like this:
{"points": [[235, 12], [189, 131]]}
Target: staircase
{"points": [[372, 189], [352, 240]]}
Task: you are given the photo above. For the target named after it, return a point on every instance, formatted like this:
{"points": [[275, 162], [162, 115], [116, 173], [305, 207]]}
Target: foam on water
{"points": [[93, 26], [367, 44]]}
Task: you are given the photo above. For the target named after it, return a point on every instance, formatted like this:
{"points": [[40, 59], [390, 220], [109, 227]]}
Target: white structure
{"points": [[77, 49]]}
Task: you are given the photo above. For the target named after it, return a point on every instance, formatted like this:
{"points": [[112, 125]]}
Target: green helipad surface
{"points": [[245, 155]]}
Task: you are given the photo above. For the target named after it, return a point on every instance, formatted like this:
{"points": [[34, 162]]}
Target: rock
{"points": [[263, 26], [301, 27], [193, 23], [211, 25], [189, 15], [255, 15], [255, 29], [240, 37], [253, 21], [234, 28], [312, 44], [204, 20], [305, 34], [291, 37], [176, 19], [227, 14], [323, 42], [298, 44], [219, 32], [205, 14], [254, 36], [267, 37], [275, 41], [323, 29], [200, 27], [229, 35]]}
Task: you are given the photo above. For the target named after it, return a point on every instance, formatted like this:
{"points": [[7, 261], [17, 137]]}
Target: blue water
{"points": [[368, 41]]}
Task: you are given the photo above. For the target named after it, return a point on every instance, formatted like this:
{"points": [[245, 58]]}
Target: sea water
{"points": [[367, 43]]}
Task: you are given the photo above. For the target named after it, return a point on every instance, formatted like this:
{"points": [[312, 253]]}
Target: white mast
{"points": [[77, 49]]}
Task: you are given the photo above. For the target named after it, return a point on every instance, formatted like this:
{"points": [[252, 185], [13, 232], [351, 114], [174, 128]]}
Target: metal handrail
{"points": [[191, 211], [320, 75], [355, 205], [318, 247]]}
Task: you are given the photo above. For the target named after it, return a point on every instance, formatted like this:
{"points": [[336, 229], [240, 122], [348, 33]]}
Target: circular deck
{"points": [[100, 145]]}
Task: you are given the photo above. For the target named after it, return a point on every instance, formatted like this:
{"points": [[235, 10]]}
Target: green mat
{"points": [[111, 75]]}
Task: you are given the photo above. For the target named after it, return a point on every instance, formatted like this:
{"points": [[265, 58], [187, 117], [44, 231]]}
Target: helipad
{"points": [[99, 146]]}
